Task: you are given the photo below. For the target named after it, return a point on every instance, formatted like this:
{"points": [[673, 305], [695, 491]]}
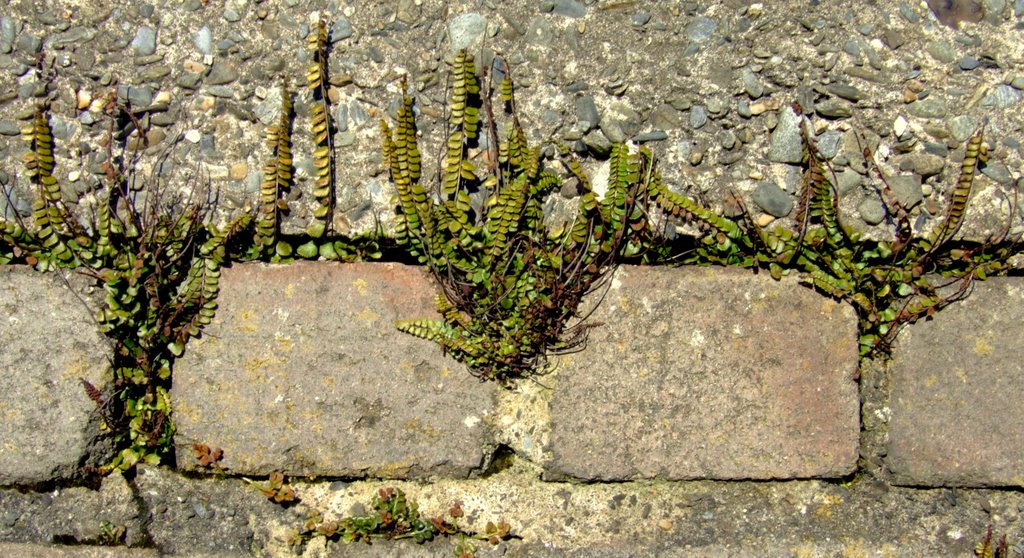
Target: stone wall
{"points": [[706, 392], [715, 413]]}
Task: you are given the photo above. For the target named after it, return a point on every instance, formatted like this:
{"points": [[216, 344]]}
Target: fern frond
{"points": [[974, 152], [320, 122]]}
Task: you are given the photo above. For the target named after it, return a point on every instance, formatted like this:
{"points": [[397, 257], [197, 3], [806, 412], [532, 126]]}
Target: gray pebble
{"points": [[968, 63], [698, 117], [847, 180], [655, 135], [29, 44], [201, 510], [346, 139], [203, 40], [828, 144], [716, 107], [8, 30], [586, 113], [641, 19], [962, 127], [893, 39], [342, 29], [871, 211], [73, 37], [144, 42], [136, 96], [909, 14], [833, 109], [222, 91], [598, 144], [924, 164], [612, 130], [772, 199], [375, 54], [60, 128], [188, 80], [941, 51], [221, 73], [357, 113], [665, 116], [10, 518], [341, 117], [1002, 97], [743, 108], [726, 138], [9, 128], [997, 172], [466, 29], [848, 92], [154, 73], [927, 108], [232, 15], [852, 48], [751, 84], [726, 158], [785, 144], [907, 189], [1018, 81], [994, 10], [569, 8], [701, 29]]}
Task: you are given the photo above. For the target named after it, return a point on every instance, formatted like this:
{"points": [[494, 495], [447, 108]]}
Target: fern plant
{"points": [[159, 265], [511, 286], [889, 283]]}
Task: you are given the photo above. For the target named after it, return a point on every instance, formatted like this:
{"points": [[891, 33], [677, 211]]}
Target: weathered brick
{"points": [[957, 388], [303, 371], [49, 342], [708, 373]]}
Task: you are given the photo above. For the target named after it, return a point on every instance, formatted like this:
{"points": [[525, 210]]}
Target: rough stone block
{"points": [[49, 342], [708, 373], [957, 393], [303, 371]]}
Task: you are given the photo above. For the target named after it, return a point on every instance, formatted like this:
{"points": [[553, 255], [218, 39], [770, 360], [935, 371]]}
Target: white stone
{"points": [[900, 126]]}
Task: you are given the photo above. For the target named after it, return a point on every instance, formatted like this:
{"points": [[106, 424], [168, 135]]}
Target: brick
{"points": [[303, 371], [708, 373], [49, 342], [957, 387]]}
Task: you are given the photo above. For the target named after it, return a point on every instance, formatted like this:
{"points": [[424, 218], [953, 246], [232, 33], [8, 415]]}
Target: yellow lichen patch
{"points": [[960, 373], [828, 502], [245, 321], [367, 315], [284, 342], [983, 345], [360, 285]]}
